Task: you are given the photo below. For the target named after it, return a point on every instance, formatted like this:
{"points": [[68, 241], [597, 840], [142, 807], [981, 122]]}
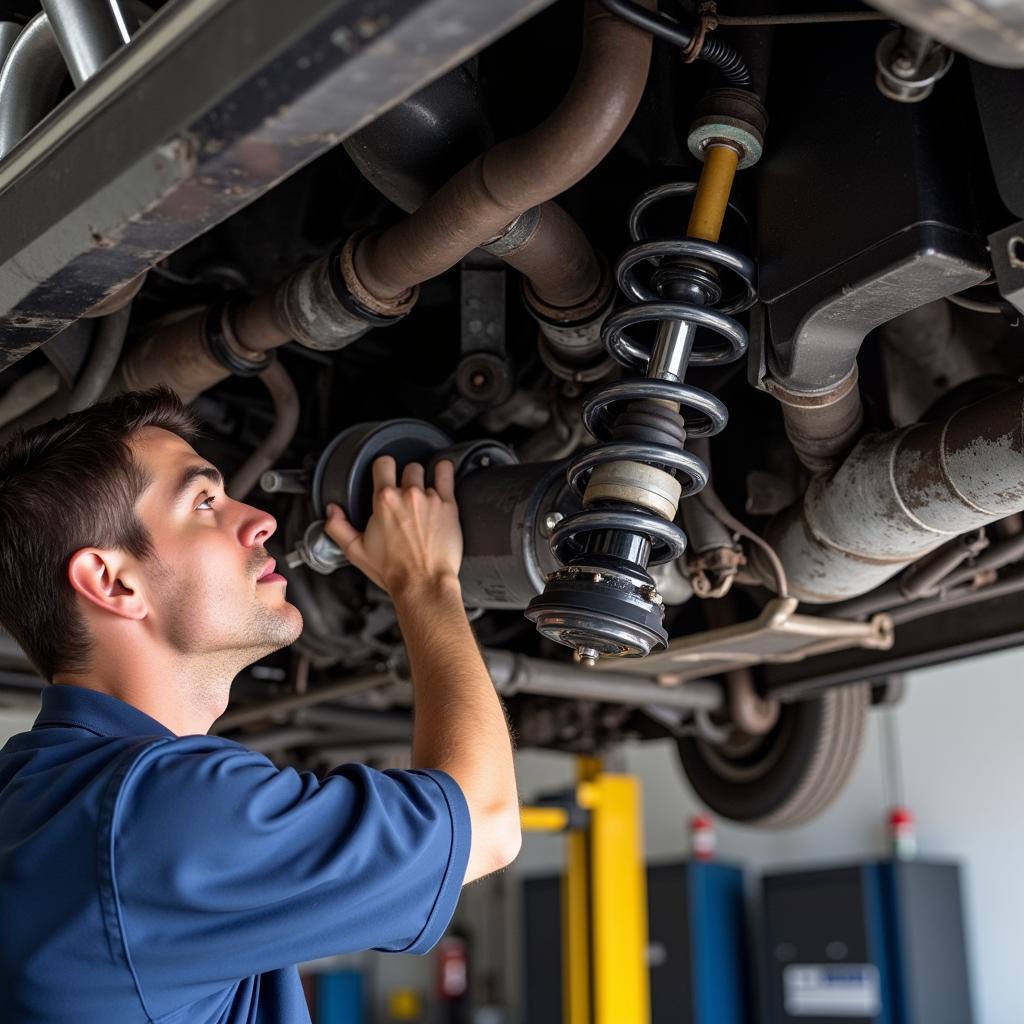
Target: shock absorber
{"points": [[602, 601]]}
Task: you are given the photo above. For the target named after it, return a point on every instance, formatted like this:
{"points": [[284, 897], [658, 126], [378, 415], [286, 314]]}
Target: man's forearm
{"points": [[412, 547], [460, 726]]}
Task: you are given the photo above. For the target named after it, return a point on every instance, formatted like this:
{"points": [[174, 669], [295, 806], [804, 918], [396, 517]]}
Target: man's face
{"points": [[209, 552]]}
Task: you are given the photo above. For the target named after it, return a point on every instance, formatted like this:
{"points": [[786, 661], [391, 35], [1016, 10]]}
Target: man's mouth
{"points": [[268, 575]]}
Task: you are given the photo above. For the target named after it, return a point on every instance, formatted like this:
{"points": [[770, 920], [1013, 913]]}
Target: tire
{"points": [[791, 774]]}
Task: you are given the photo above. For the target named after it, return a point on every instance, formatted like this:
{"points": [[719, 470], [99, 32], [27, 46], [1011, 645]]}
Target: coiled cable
{"points": [[713, 50]]}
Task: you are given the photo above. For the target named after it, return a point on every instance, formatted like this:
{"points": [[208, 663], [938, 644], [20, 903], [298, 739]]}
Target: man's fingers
{"points": [[383, 472], [444, 479], [412, 475], [338, 528], [350, 540]]}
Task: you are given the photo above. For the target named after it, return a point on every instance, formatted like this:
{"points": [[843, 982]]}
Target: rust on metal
{"points": [[519, 173], [258, 323], [118, 299], [391, 305], [176, 356], [898, 496], [821, 426], [562, 271], [583, 311]]}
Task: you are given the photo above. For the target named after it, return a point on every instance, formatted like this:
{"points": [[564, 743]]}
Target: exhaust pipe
{"points": [[898, 496], [479, 203], [500, 201]]}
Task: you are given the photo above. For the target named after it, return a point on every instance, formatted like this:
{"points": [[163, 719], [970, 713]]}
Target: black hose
{"points": [[727, 59], [715, 51]]}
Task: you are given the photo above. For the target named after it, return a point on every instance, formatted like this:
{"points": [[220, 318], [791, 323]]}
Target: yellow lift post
{"points": [[604, 897]]}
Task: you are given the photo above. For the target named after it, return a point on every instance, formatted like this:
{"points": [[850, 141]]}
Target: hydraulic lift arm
{"points": [[604, 896]]}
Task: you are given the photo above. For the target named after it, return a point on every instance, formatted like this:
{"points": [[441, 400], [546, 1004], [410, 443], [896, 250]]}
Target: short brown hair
{"points": [[67, 484]]}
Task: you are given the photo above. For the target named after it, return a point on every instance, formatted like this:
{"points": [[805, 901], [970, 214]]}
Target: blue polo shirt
{"points": [[146, 877]]}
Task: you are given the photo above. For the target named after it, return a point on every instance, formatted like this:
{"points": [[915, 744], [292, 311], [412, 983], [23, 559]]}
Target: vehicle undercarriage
{"points": [[717, 313]]}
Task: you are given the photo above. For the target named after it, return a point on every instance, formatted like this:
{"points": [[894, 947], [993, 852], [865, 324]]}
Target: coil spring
{"points": [[706, 414]]}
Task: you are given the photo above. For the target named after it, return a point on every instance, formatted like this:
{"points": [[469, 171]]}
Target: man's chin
{"points": [[299, 624], [277, 628], [293, 617]]}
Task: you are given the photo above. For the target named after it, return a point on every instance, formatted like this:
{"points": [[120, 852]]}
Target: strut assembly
{"points": [[602, 601]]}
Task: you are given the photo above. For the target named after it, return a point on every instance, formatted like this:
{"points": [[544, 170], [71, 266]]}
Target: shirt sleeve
{"points": [[224, 866]]}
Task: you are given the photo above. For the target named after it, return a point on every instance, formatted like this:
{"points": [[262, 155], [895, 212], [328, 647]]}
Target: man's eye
{"points": [[207, 500]]}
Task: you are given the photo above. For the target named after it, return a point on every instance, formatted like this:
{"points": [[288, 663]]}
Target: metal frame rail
{"points": [[211, 104]]}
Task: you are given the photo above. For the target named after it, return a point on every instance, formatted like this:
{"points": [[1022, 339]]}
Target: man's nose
{"points": [[257, 528]]}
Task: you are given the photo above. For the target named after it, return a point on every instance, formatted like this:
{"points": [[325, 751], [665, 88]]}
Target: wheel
{"points": [[792, 773]]}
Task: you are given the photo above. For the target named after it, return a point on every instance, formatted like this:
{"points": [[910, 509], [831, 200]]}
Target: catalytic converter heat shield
{"points": [[899, 495]]}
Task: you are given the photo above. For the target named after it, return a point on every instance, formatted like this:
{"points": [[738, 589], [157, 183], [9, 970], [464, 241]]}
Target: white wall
{"points": [[12, 721], [962, 755], [962, 761]]}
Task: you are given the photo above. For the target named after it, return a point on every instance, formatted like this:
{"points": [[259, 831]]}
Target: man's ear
{"points": [[98, 575]]}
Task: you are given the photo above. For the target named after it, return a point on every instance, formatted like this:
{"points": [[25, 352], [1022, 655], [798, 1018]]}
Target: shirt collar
{"points": [[78, 706]]}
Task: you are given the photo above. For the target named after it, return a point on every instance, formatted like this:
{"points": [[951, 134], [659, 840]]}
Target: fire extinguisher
{"points": [[902, 833], [453, 977], [702, 837]]}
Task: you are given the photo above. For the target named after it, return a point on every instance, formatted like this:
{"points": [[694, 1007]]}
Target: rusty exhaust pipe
{"points": [[898, 496], [373, 280], [486, 196]]}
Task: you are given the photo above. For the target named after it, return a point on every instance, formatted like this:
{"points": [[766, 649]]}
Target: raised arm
{"points": [[412, 548]]}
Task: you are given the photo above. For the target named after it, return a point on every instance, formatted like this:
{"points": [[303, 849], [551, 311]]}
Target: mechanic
{"points": [[148, 871]]}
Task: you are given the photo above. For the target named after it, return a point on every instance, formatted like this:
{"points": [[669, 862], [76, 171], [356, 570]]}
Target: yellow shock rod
{"points": [[720, 163]]}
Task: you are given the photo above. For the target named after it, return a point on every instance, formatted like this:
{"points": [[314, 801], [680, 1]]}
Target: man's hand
{"points": [[413, 536]]}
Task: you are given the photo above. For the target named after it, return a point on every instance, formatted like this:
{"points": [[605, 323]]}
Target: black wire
{"points": [[715, 51], [819, 18], [654, 22]]}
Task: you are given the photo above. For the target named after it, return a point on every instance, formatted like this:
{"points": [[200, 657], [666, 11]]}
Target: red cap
{"points": [[702, 837], [901, 817]]}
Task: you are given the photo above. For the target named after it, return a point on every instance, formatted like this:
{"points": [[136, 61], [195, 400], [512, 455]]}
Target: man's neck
{"points": [[173, 699]]}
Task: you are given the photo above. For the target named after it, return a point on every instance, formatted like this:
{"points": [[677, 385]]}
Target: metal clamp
{"points": [[220, 349]]}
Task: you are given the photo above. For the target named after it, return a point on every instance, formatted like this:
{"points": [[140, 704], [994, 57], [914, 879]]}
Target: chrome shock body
{"points": [[603, 601]]}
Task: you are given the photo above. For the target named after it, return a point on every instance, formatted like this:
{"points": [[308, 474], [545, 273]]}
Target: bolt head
{"points": [[550, 521]]}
